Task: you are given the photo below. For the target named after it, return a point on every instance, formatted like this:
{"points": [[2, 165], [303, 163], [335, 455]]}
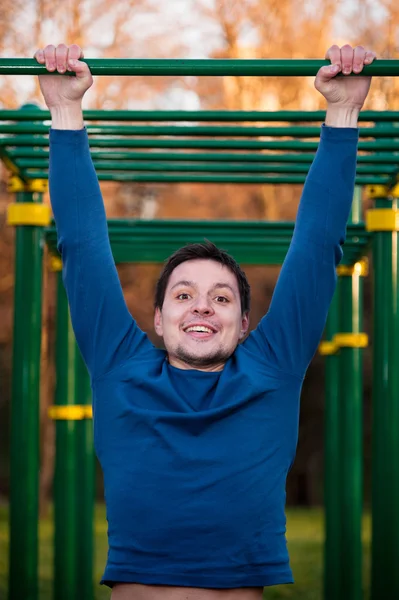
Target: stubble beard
{"points": [[217, 357]]}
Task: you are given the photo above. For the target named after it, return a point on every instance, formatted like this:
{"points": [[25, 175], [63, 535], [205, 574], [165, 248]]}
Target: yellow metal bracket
{"points": [[360, 268], [351, 340], [382, 219], [70, 412], [328, 348], [29, 213], [382, 191], [55, 263], [395, 191], [15, 184], [343, 340], [377, 191]]}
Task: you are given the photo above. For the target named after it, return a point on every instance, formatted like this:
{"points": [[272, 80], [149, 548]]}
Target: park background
{"points": [[189, 29]]}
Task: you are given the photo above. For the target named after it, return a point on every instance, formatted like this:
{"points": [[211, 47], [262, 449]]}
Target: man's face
{"points": [[201, 321]]}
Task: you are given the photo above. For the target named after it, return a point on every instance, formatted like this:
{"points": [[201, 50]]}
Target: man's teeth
{"points": [[199, 328]]}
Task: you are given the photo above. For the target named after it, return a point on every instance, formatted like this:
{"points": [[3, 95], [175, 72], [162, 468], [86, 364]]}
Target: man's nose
{"points": [[203, 306]]}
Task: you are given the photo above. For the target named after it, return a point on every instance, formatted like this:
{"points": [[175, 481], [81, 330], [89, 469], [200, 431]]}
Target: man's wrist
{"points": [[67, 117], [342, 116]]}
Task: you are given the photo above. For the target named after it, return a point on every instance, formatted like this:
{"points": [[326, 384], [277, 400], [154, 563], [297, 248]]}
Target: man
{"points": [[196, 441]]}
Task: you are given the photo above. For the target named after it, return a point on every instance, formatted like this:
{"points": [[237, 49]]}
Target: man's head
{"points": [[202, 303]]}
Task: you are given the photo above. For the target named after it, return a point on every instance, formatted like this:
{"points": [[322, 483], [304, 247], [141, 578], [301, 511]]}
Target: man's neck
{"points": [[186, 366]]}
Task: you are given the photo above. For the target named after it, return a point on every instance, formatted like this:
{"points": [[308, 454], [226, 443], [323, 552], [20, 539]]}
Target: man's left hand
{"points": [[345, 92]]}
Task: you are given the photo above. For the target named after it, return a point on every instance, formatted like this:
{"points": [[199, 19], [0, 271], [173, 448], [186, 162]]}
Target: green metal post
{"points": [[65, 478], [351, 458], [85, 485], [343, 445], [332, 566], [385, 457], [24, 453], [351, 447], [74, 472]]}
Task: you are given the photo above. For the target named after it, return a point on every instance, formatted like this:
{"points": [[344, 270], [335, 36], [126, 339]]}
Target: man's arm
{"points": [[105, 331], [288, 335]]}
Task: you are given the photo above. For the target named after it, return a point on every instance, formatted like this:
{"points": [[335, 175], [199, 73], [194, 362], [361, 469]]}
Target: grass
{"points": [[305, 541]]}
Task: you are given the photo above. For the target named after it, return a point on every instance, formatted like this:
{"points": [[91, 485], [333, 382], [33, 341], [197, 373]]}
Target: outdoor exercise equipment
{"points": [[24, 150]]}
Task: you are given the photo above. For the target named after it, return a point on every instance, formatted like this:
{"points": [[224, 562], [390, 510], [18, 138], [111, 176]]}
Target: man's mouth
{"points": [[200, 331]]}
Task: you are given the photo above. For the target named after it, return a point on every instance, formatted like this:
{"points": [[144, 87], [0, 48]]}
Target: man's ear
{"points": [[158, 322], [244, 325]]}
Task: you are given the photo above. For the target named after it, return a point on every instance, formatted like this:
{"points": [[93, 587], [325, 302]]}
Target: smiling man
{"points": [[195, 441], [201, 307]]}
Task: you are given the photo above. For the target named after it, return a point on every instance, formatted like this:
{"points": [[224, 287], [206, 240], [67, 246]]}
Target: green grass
{"points": [[305, 540]]}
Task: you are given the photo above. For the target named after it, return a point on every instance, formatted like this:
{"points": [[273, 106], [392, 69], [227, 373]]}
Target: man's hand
{"points": [[345, 95], [63, 95]]}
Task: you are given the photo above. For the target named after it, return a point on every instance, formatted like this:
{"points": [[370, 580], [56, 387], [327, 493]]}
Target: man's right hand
{"points": [[63, 95]]}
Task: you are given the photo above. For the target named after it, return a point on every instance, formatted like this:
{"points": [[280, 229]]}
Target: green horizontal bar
{"points": [[264, 257], [200, 131], [243, 229], [294, 145], [239, 179], [205, 115], [212, 67], [38, 153], [118, 165], [9, 161], [279, 244], [249, 241]]}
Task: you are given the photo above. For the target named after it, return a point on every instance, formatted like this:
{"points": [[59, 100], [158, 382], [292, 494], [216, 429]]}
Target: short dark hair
{"points": [[206, 250]]}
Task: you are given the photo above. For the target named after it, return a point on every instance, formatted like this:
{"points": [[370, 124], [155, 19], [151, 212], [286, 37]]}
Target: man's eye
{"points": [[183, 296], [221, 299]]}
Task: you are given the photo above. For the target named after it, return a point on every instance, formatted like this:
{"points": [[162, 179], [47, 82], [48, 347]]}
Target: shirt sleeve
{"points": [[105, 331], [288, 335]]}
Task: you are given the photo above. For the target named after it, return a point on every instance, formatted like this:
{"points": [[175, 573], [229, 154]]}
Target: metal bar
{"points": [[9, 161], [24, 452], [225, 116], [251, 242], [235, 229], [351, 436], [198, 130], [351, 447], [394, 177], [332, 420], [267, 255], [66, 533], [348, 451], [38, 153], [385, 465], [164, 167], [393, 432], [85, 485], [294, 145], [274, 242], [197, 67], [239, 179], [351, 457]]}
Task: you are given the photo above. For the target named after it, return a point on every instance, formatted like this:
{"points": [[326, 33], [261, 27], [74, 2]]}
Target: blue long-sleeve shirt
{"points": [[195, 463]]}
